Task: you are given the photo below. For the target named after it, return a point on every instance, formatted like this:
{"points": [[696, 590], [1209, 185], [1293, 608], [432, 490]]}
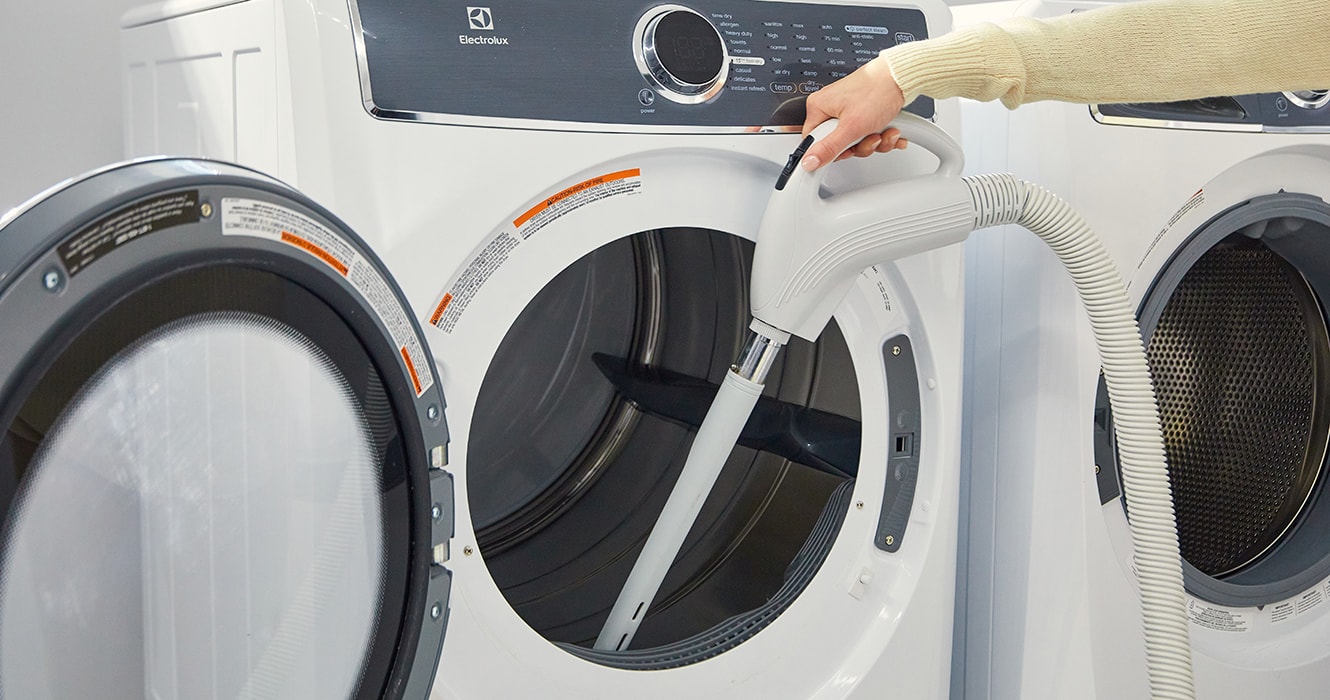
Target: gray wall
{"points": [[60, 109]]}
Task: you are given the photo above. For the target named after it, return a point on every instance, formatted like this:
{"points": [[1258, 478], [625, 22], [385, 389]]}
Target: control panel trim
{"points": [[924, 107], [1114, 120]]}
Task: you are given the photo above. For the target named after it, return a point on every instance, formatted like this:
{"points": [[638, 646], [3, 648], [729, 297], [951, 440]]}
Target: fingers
{"points": [[832, 146], [873, 143], [868, 146], [865, 102], [891, 141]]}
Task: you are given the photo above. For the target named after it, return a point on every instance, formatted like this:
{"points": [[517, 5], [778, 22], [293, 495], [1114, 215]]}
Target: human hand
{"points": [[865, 102]]}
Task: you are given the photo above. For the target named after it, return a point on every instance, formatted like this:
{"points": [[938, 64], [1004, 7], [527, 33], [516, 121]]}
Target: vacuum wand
{"points": [[715, 438], [810, 249], [800, 276]]}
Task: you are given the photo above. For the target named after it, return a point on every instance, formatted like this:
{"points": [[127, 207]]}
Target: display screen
{"points": [[689, 47]]}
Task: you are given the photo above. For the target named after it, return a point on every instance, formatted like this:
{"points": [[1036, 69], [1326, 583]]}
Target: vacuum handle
{"points": [[810, 248], [919, 132]]}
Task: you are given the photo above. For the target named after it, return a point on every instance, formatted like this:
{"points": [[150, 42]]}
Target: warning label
{"points": [[459, 293], [1196, 200], [1304, 604], [624, 182], [1217, 618], [477, 272], [1309, 600], [126, 225], [250, 217]]}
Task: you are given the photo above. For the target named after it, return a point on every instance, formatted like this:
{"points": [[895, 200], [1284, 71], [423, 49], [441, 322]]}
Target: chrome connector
{"points": [[758, 355]]}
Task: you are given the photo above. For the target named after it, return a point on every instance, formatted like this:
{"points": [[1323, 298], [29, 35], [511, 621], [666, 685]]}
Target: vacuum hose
{"points": [[1003, 199]]}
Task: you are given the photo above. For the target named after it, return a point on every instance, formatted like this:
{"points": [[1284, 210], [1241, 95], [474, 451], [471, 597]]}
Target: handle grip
{"points": [[920, 132], [809, 249]]}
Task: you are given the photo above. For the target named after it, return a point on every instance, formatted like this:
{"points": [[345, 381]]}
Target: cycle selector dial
{"points": [[681, 54], [1309, 99]]}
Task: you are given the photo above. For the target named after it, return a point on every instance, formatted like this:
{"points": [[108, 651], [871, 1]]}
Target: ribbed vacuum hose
{"points": [[1003, 199]]}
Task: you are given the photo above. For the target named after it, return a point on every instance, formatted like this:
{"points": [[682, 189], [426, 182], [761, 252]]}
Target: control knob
{"points": [[681, 54], [1309, 99]]}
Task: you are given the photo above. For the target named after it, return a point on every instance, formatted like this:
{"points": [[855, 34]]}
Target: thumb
{"points": [[825, 149]]}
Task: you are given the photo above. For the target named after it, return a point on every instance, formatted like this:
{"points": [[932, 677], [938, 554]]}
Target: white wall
{"points": [[60, 112]]}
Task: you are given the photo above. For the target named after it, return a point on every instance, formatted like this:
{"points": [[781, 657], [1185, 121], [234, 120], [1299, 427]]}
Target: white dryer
{"points": [[1216, 213], [548, 183]]}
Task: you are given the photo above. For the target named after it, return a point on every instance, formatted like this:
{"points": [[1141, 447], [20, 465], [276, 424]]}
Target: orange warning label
{"points": [[442, 307], [321, 254], [570, 199], [250, 217], [411, 369], [573, 191], [494, 252]]}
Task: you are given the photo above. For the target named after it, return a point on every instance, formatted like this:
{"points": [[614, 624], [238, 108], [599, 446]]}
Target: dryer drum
{"points": [[561, 514], [1237, 356], [1236, 334], [213, 476]]}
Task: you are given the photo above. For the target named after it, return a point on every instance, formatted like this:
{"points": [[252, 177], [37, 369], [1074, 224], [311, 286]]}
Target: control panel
{"points": [[726, 63], [1306, 110]]}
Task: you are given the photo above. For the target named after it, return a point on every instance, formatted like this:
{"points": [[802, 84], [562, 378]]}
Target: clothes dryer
{"points": [[1215, 211], [548, 184]]}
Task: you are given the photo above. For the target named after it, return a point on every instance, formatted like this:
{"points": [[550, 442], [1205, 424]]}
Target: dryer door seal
{"points": [[222, 448], [1239, 347]]}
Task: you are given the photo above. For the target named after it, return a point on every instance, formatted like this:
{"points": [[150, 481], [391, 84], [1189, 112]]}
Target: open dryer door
{"points": [[222, 448]]}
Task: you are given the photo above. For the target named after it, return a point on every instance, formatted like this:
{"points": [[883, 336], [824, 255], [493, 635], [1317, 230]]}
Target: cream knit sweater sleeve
{"points": [[1155, 51]]}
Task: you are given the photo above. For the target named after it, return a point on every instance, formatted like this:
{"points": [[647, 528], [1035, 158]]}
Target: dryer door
{"points": [[222, 448]]}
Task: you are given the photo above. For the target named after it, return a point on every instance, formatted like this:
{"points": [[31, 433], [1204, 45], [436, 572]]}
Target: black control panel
{"points": [[726, 63], [1308, 110]]}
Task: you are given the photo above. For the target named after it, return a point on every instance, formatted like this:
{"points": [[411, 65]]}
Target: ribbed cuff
{"points": [[979, 63]]}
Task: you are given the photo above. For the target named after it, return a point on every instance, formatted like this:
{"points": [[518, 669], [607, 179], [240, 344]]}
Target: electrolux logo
{"points": [[481, 18]]}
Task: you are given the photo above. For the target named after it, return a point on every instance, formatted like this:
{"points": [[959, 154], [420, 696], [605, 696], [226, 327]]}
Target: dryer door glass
{"points": [[216, 460], [204, 502]]}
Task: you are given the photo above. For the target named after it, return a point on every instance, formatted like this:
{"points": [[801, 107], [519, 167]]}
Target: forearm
{"points": [[1137, 52]]}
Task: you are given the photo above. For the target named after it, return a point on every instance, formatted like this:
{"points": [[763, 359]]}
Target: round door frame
{"points": [[73, 252]]}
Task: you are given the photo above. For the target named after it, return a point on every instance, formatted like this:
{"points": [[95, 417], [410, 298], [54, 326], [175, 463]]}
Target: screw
{"points": [[896, 350], [889, 540], [51, 280], [432, 412], [467, 550], [859, 505], [205, 209], [436, 611], [436, 512], [1096, 468]]}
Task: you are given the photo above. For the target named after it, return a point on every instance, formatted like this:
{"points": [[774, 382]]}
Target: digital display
{"points": [[689, 47]]}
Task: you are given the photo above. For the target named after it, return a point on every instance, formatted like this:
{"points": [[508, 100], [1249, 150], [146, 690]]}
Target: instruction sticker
{"points": [[492, 255], [1301, 605], [449, 309], [624, 182], [1217, 618], [126, 225], [251, 217], [1196, 200]]}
